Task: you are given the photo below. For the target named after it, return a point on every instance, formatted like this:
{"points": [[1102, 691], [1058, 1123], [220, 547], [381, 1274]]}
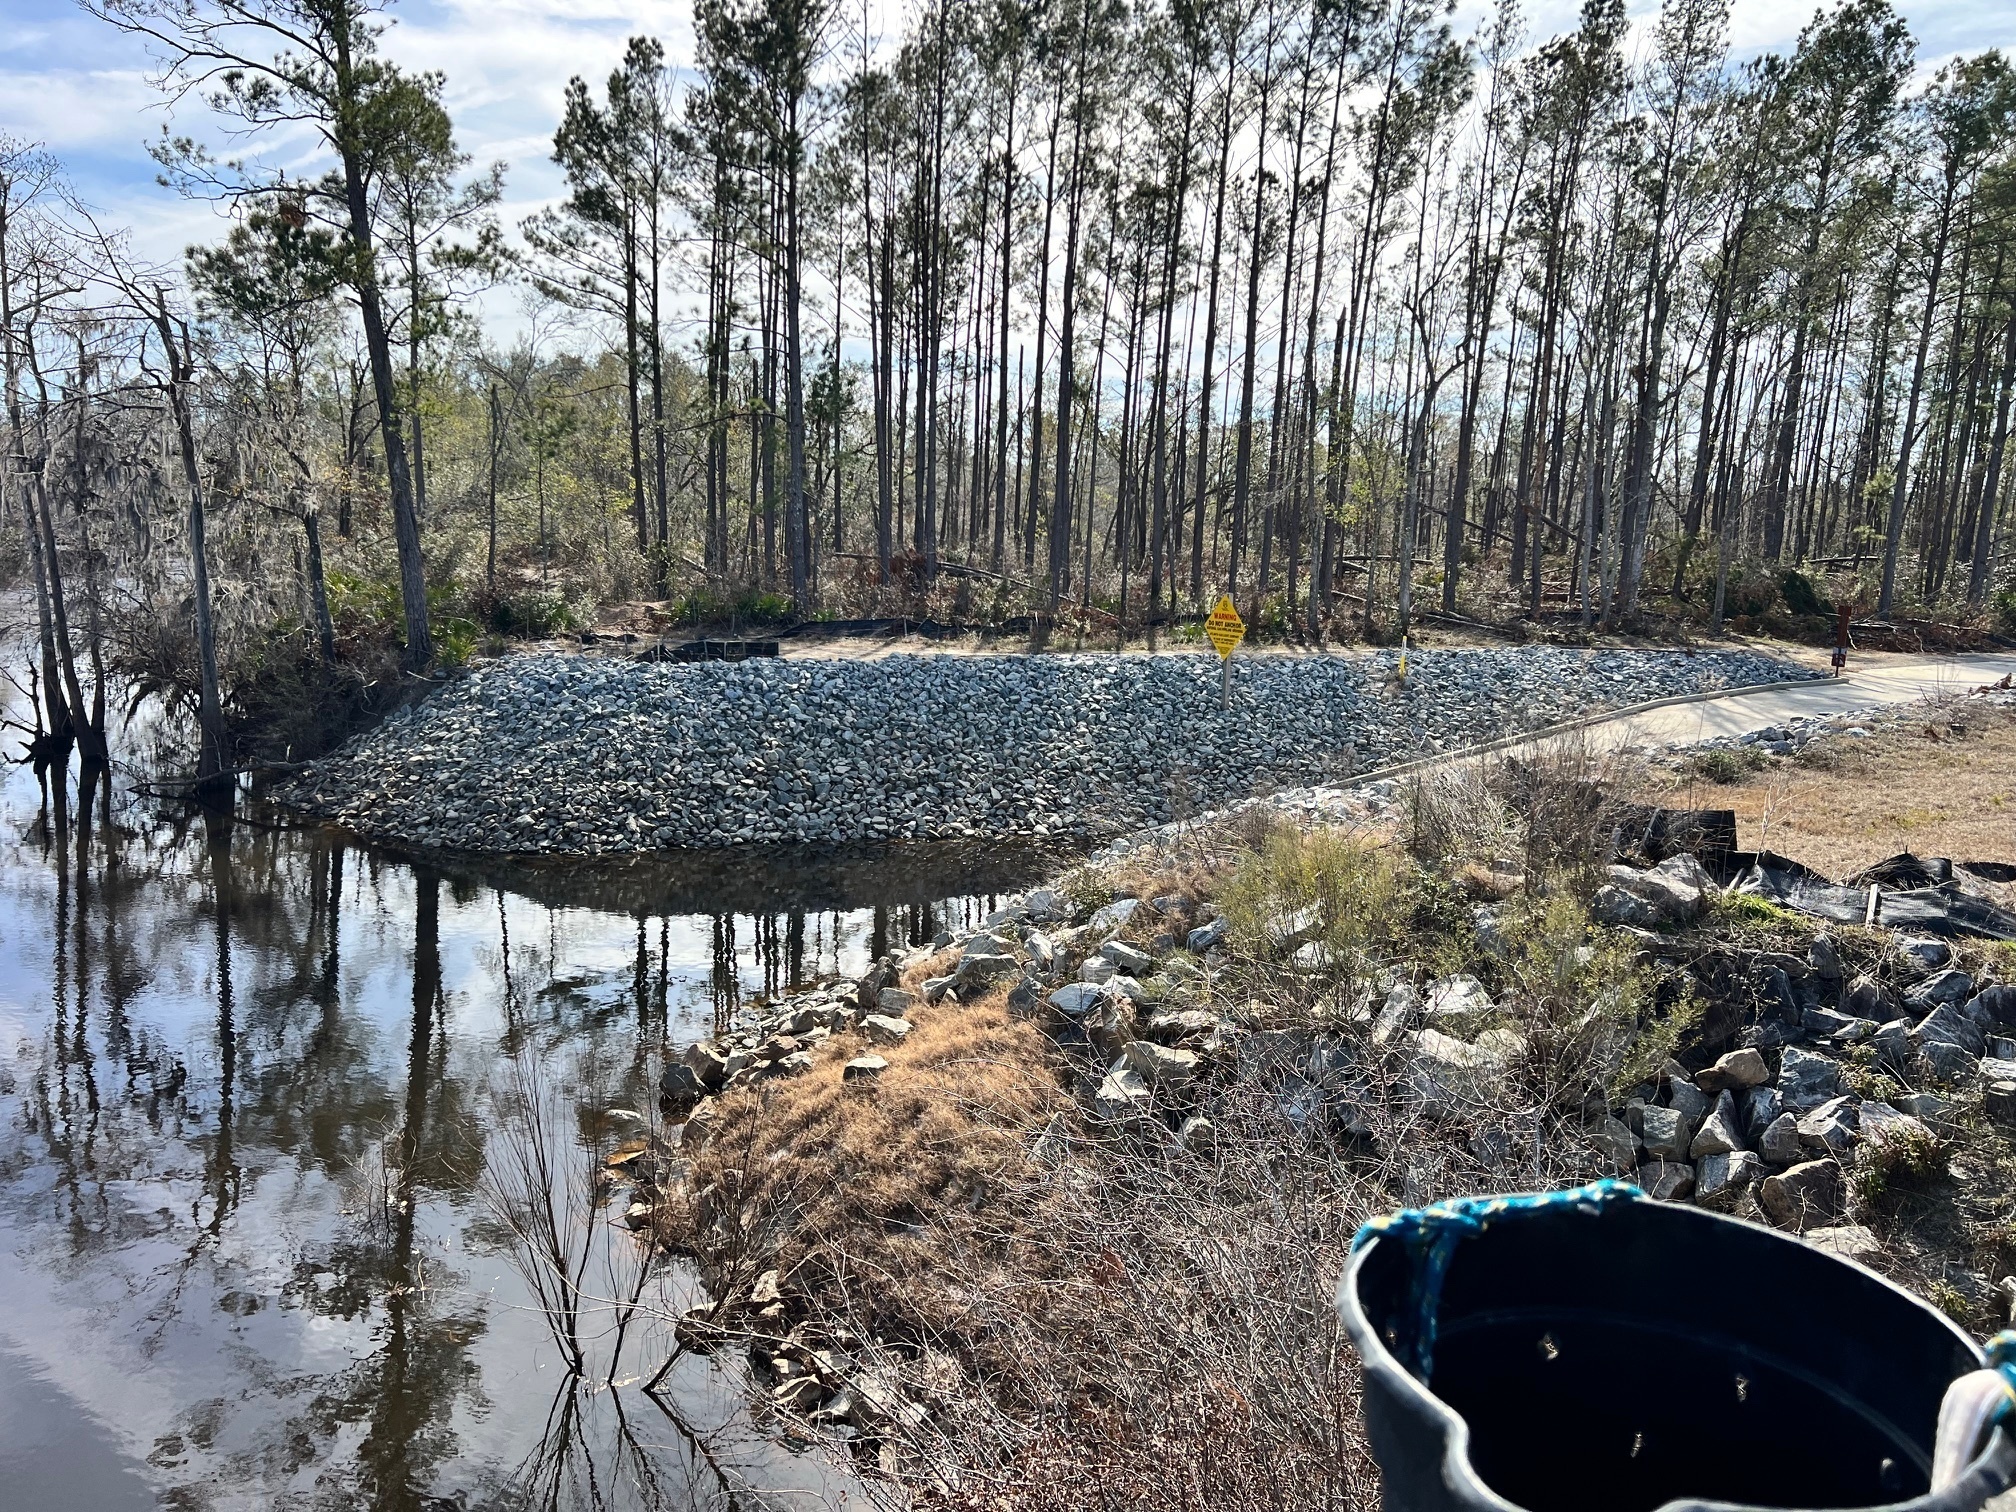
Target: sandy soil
{"points": [[1943, 784]]}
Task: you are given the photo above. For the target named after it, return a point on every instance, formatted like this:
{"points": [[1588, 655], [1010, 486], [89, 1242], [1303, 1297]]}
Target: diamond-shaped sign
{"points": [[1223, 626]]}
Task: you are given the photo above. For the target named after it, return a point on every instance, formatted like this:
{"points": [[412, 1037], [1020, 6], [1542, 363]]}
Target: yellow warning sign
{"points": [[1224, 627]]}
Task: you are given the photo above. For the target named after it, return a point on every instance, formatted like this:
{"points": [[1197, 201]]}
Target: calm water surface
{"points": [[252, 1078]]}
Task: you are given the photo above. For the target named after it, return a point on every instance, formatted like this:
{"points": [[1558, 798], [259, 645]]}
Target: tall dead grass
{"points": [[833, 1183]]}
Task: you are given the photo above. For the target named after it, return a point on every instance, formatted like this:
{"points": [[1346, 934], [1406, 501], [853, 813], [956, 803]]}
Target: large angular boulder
{"points": [[1673, 892], [1159, 1064], [1739, 1070], [1721, 1132], [1454, 1075], [1806, 1080], [1666, 1132], [1721, 1180], [1812, 1194], [1950, 1041]]}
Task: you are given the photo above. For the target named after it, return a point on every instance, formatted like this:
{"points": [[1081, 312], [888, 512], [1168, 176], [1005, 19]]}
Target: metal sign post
{"points": [[1225, 630]]}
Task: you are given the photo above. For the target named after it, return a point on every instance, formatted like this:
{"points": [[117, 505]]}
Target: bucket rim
{"points": [[1994, 1467]]}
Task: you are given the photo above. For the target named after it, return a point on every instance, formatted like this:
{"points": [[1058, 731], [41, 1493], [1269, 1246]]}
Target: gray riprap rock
{"points": [[800, 1394], [1837, 1027], [1207, 936], [1998, 1102], [1688, 1098], [1666, 1133], [1892, 1044], [1761, 1107], [1809, 1195], [1666, 1180], [1097, 970], [1487, 923], [1456, 998], [1719, 1180], [987, 943], [1454, 1075], [1779, 1144], [1831, 1126], [1160, 1064], [863, 1068], [1948, 986], [1806, 1080], [1113, 916], [1879, 1122], [1617, 1146], [881, 1029], [1720, 1131], [1922, 955], [1738, 1071], [1042, 953], [1669, 890], [1051, 1146], [1950, 1041], [1127, 959], [1123, 1095], [1865, 997], [1174, 1026], [1685, 871], [1197, 1135], [680, 1083], [895, 1001], [1110, 1024], [705, 1059], [1824, 957], [1049, 904], [1921, 1104], [1994, 1007], [1122, 986], [1617, 905], [589, 753], [1396, 1014], [977, 970], [1076, 998], [1848, 1241]]}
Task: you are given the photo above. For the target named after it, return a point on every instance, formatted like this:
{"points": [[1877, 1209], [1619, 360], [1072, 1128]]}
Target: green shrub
{"points": [[2005, 610], [538, 612], [1726, 764], [1748, 908], [763, 608], [1801, 596], [361, 605], [455, 640], [1320, 885]]}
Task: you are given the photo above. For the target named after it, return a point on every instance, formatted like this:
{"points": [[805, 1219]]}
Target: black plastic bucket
{"points": [[1626, 1356]]}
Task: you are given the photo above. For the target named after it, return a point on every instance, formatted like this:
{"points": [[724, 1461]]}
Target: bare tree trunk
{"points": [[211, 765]]}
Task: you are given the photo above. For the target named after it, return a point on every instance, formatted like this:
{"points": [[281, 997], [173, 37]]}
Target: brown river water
{"points": [[253, 1083]]}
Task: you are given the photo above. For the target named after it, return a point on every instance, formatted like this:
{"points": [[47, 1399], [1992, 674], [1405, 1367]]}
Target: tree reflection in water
{"points": [[249, 1090]]}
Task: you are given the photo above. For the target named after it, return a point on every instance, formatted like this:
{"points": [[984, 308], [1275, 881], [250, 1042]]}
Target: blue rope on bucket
{"points": [[1432, 1233], [2001, 1352]]}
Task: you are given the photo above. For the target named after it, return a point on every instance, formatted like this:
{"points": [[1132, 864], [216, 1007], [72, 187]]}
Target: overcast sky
{"points": [[71, 84]]}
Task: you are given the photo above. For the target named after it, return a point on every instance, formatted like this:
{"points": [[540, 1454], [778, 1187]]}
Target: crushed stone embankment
{"points": [[555, 755]]}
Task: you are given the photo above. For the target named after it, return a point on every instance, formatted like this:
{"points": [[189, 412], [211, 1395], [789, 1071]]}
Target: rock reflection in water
{"points": [[248, 1095]]}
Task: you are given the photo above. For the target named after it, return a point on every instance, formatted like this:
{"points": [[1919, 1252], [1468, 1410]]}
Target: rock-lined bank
{"points": [[554, 755]]}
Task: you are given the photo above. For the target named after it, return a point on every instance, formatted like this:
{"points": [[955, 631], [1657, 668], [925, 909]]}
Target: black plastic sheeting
{"points": [[1905, 892], [1654, 834]]}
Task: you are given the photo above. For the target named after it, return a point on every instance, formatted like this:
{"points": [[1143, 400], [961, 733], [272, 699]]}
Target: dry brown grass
{"points": [[840, 1178], [1926, 787]]}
